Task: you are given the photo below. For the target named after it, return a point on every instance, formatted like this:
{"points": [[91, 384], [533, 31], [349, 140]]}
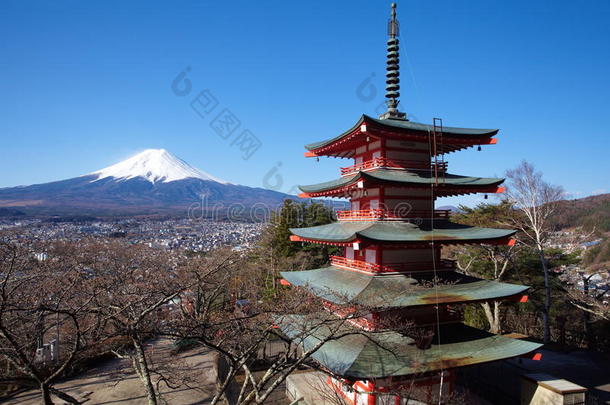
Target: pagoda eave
{"points": [[365, 242], [368, 128], [439, 191], [383, 354], [418, 232], [348, 150], [401, 290], [445, 184]]}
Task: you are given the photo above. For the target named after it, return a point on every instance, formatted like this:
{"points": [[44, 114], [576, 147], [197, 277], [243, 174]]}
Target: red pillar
{"points": [[372, 397]]}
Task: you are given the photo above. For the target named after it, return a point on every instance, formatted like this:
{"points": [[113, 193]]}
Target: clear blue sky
{"points": [[85, 84]]}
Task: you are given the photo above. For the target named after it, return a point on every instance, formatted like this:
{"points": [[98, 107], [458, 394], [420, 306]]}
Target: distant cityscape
{"points": [[198, 235], [575, 240], [190, 234]]}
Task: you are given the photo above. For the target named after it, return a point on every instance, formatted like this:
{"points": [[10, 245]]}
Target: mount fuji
{"points": [[154, 165], [151, 182]]}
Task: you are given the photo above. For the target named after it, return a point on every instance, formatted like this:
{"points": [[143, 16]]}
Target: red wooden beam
{"points": [[509, 241], [296, 238], [519, 298], [532, 356]]}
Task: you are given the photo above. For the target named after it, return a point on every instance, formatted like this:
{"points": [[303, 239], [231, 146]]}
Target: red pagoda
{"points": [[391, 264]]}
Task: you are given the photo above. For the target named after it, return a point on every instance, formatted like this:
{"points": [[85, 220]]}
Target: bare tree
{"points": [[104, 289], [536, 202], [232, 313], [592, 302], [587, 283], [134, 289], [490, 262], [96, 291], [500, 258], [41, 305]]}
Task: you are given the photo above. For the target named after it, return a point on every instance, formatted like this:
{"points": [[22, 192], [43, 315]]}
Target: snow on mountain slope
{"points": [[154, 165]]}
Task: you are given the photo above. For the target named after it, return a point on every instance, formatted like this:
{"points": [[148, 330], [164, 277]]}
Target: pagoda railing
{"points": [[389, 163], [360, 265], [389, 215]]}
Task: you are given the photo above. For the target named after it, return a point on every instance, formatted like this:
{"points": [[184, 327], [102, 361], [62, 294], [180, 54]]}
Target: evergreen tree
{"points": [[276, 237]]}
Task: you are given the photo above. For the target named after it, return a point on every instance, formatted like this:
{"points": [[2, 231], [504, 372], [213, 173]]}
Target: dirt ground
{"points": [[191, 374], [114, 382]]}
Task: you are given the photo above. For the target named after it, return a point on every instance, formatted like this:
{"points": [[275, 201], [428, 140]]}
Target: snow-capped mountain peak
{"points": [[154, 165]]}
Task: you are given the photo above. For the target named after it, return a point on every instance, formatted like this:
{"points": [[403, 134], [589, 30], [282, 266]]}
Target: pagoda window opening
{"points": [[371, 255]]}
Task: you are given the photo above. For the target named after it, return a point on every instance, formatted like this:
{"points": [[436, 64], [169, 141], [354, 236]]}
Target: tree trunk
{"points": [[141, 366], [493, 317], [588, 332], [225, 373], [46, 394], [587, 316], [546, 310]]}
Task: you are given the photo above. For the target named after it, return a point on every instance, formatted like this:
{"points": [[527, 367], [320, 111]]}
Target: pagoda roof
{"points": [[416, 178], [381, 354], [404, 128], [441, 231], [341, 286]]}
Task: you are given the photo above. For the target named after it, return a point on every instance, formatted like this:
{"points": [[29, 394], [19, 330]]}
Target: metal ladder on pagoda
{"points": [[438, 151]]}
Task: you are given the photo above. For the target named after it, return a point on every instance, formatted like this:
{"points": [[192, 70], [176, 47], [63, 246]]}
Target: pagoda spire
{"points": [[393, 70]]}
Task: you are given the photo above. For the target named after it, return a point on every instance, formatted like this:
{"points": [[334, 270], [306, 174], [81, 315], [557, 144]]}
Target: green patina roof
{"points": [[409, 126], [403, 177], [383, 354], [401, 290], [444, 231]]}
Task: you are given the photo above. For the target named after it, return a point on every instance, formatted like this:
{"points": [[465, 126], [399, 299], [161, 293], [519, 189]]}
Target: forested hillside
{"points": [[590, 213]]}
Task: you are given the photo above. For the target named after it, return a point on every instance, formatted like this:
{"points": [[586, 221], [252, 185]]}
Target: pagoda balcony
{"points": [[390, 215], [360, 265], [381, 162]]}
